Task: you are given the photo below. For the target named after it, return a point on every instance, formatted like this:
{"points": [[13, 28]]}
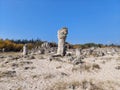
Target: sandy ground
{"points": [[39, 73]]}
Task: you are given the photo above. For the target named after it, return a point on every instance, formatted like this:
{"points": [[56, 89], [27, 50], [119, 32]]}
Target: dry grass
{"points": [[118, 59], [86, 67], [49, 76], [7, 74], [64, 85], [84, 85], [95, 66]]}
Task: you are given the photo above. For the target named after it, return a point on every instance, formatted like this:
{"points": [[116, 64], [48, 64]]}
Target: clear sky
{"points": [[87, 20]]}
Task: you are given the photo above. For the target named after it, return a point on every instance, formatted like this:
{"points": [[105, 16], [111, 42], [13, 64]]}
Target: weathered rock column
{"points": [[62, 34], [25, 51], [78, 53]]}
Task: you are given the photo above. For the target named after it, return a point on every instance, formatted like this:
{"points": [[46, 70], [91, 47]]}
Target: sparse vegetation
{"points": [[84, 85], [64, 85], [7, 74], [86, 67], [48, 76], [7, 45], [95, 66], [17, 45], [89, 45]]}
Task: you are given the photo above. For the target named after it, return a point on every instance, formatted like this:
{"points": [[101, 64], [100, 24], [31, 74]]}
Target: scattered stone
{"points": [[78, 53], [95, 66], [77, 61], [26, 68], [29, 57], [2, 57], [56, 55], [68, 54], [58, 67], [42, 51], [7, 74], [64, 74], [22, 63], [70, 59], [15, 65], [45, 45], [50, 58], [118, 67]]}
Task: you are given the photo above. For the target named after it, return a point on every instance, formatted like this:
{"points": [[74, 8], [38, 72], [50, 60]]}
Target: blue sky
{"points": [[87, 20]]}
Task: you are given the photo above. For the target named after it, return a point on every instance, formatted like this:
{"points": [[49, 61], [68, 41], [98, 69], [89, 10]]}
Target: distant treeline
{"points": [[88, 45], [33, 42], [17, 45], [25, 41], [7, 45]]}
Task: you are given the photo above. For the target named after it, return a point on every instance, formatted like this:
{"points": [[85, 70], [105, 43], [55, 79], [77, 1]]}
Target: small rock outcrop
{"points": [[78, 53], [45, 45]]}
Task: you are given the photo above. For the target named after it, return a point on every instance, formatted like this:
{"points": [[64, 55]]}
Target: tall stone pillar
{"points": [[78, 53], [62, 34], [25, 51]]}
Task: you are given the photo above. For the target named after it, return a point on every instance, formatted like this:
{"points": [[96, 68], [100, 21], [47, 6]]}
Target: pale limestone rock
{"points": [[45, 45], [78, 53], [25, 51], [62, 34]]}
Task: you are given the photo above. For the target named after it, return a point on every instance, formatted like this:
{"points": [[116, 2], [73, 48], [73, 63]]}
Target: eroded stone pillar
{"points": [[62, 34], [78, 53], [25, 51]]}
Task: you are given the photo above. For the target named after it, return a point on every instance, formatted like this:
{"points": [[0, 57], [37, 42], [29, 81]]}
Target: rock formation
{"points": [[25, 51], [45, 45], [78, 53], [62, 34]]}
